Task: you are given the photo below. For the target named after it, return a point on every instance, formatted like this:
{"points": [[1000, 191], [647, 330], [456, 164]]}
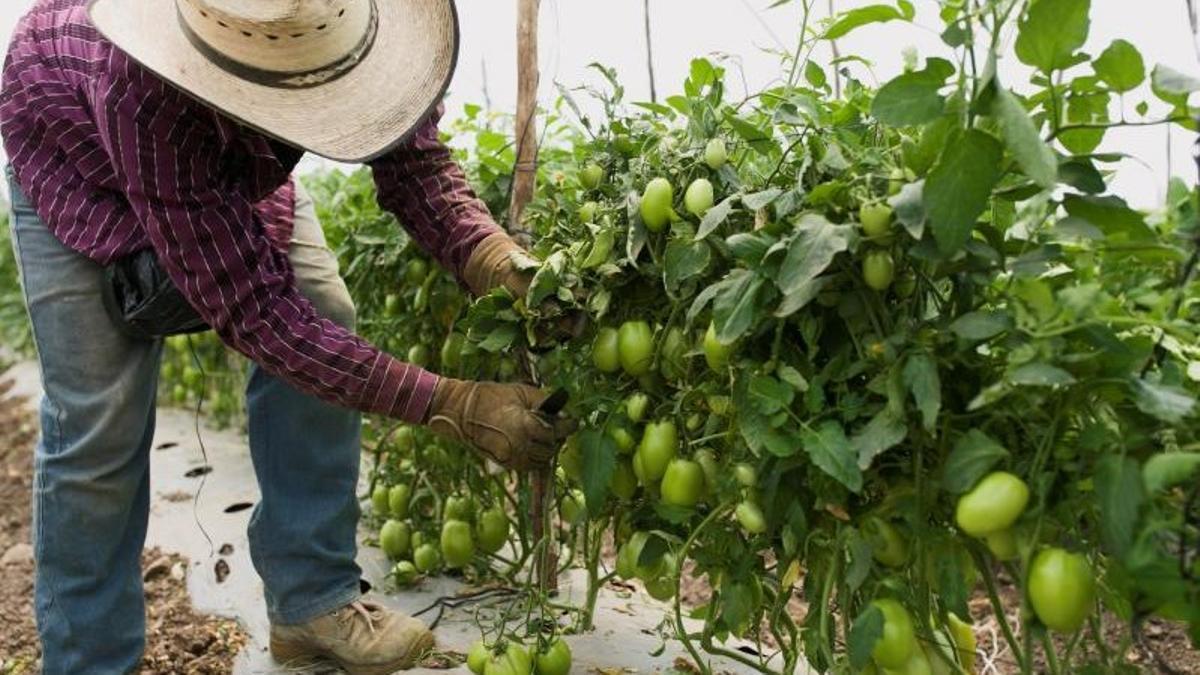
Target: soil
{"points": [[178, 640]]}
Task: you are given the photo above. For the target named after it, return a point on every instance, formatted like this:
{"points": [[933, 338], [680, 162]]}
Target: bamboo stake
{"points": [[525, 172]]}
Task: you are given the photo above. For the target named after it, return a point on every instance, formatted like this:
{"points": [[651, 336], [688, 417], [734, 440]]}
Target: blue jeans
{"points": [[92, 471]]}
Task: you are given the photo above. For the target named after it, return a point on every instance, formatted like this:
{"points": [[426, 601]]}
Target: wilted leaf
{"points": [[883, 432], [1169, 404]]}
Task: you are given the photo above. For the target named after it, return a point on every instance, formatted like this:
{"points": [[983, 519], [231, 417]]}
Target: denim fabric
{"points": [[92, 474]]}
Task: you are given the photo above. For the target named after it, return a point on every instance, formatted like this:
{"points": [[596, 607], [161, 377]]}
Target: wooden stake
{"points": [[525, 172]]}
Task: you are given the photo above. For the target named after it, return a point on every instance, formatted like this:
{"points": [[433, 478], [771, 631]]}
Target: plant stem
{"points": [[998, 608]]}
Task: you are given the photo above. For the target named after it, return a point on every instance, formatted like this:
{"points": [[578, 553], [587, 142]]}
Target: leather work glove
{"points": [[494, 263], [500, 420]]}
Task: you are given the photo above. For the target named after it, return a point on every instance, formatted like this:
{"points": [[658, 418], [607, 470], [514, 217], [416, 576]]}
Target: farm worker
{"points": [[173, 126]]}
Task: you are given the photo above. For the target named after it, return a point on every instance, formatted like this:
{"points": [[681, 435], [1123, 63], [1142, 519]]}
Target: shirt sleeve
{"points": [[177, 167], [422, 185]]}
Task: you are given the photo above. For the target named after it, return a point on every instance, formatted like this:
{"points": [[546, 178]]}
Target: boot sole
{"points": [[293, 654]]}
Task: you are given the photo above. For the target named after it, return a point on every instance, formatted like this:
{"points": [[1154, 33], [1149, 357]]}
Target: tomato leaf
{"points": [[861, 16], [912, 98], [816, 244], [599, 453], [1082, 175], [866, 630], [860, 553], [756, 428], [1119, 492], [921, 378], [799, 298], [1052, 32], [716, 216], [1168, 469], [1040, 375], [760, 200], [1120, 66], [1111, 214], [770, 395], [982, 325], [760, 140], [973, 456], [1167, 403], [884, 432], [909, 208], [829, 449], [959, 186], [1173, 86], [684, 260], [735, 307], [1021, 136]]}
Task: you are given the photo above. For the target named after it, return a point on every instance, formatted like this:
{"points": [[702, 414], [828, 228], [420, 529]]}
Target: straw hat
{"points": [[346, 79]]}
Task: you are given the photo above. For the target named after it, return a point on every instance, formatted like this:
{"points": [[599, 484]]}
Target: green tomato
{"points": [[478, 657], [963, 637], [1003, 545], [660, 443], [712, 470], [606, 354], [405, 573], [629, 555], [716, 355], [623, 483], [573, 508], [699, 197], [876, 220], [379, 500], [587, 212], [192, 377], [459, 507], [672, 356], [750, 517], [395, 538], [656, 204], [621, 436], [492, 530], [888, 546], [715, 154], [635, 406], [179, 393], [746, 475], [898, 642], [635, 343], [994, 504], [398, 498], [391, 304], [555, 660], [416, 271], [879, 269], [405, 440], [514, 661], [592, 176], [683, 483], [452, 350], [719, 405], [896, 180], [1062, 589], [918, 663], [418, 355], [458, 546]]}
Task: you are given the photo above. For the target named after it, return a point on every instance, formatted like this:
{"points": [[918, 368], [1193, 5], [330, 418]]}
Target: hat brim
{"points": [[354, 118]]}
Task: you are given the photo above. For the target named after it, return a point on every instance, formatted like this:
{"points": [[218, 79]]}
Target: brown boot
{"points": [[362, 637]]}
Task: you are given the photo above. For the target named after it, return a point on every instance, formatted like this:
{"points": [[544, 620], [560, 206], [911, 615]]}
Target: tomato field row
{"points": [[875, 348]]}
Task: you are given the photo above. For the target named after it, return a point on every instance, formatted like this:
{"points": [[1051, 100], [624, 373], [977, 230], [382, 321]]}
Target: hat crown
{"points": [[280, 36], [275, 14]]}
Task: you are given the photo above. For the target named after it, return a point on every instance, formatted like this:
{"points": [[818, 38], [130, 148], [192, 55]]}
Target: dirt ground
{"points": [[178, 640]]}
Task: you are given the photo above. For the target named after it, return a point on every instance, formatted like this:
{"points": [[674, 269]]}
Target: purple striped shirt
{"points": [[115, 160]]}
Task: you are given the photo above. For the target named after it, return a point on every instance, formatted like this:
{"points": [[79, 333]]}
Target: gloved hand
{"points": [[493, 264], [499, 420]]}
